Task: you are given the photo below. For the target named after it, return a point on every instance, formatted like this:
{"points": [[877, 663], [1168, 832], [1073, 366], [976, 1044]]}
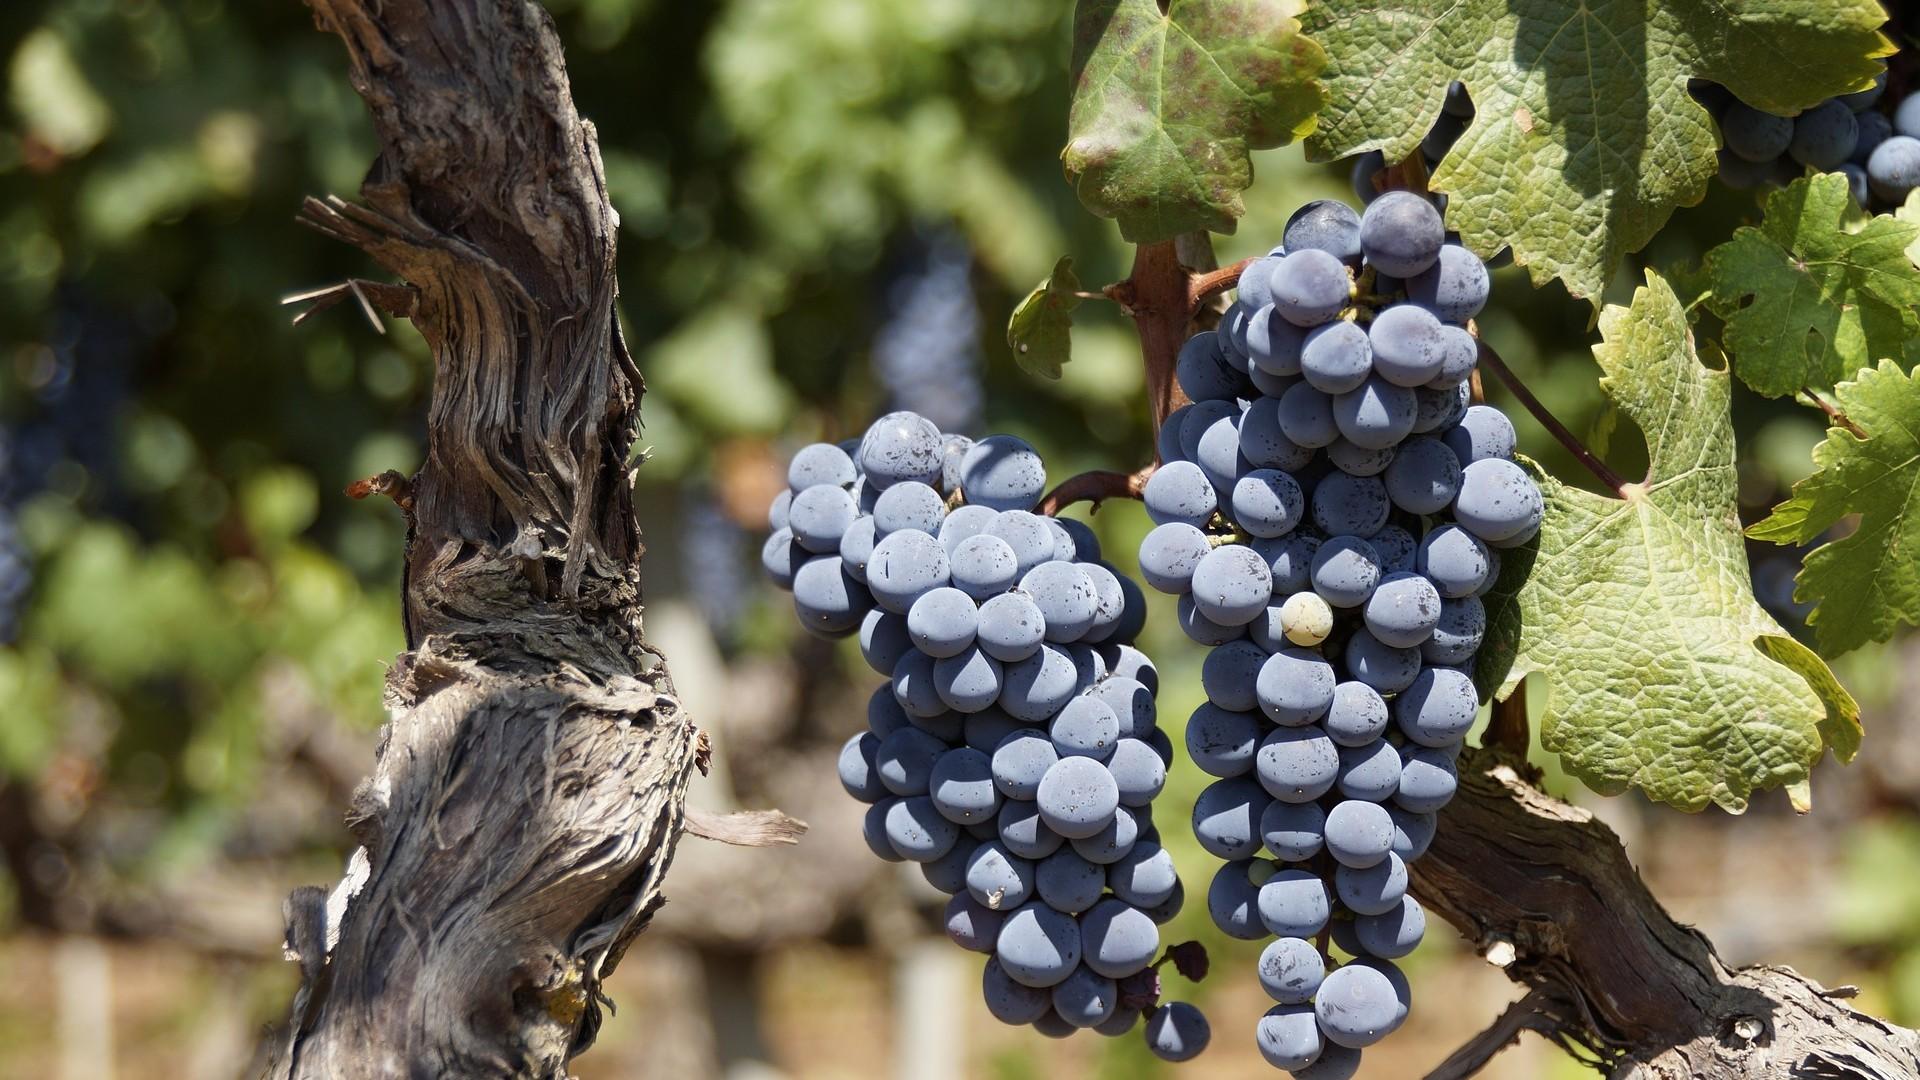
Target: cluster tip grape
{"points": [[1329, 511], [1014, 752]]}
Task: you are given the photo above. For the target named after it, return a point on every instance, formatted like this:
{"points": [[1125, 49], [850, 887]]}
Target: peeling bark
{"points": [[529, 787], [1545, 890]]}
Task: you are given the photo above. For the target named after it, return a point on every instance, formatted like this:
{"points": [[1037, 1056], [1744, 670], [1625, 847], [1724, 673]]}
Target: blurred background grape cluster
{"points": [[827, 209]]}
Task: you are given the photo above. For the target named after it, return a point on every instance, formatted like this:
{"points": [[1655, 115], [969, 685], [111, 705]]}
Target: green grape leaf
{"points": [[1585, 138], [1664, 672], [1816, 291], [1909, 212], [1040, 330], [1166, 107], [1866, 583]]}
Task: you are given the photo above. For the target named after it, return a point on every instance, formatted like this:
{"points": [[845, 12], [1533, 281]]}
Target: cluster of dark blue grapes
{"points": [[1878, 153], [1329, 510], [1015, 754]]}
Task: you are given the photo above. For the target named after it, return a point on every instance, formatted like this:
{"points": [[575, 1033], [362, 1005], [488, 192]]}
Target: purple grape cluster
{"points": [[1014, 753], [1877, 150], [1329, 510]]}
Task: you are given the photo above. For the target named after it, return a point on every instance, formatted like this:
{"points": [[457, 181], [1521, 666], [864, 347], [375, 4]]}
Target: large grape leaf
{"points": [[1664, 673], [1040, 331], [1585, 137], [1167, 105], [1816, 291], [1866, 583]]}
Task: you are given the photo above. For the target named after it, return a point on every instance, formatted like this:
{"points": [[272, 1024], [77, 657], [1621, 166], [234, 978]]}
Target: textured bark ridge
{"points": [[529, 788], [1547, 892]]}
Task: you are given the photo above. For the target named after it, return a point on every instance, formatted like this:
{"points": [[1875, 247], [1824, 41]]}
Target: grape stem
{"points": [[1507, 728], [1094, 487], [1490, 361], [1835, 417], [1204, 287], [1163, 297]]}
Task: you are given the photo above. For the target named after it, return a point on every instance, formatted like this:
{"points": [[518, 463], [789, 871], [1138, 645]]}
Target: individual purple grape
{"points": [[1408, 346], [1293, 832], [1004, 473], [819, 463], [1273, 345], [1454, 288], [1325, 225], [908, 505], [1498, 501], [1232, 585], [1754, 135], [1337, 356], [1222, 742], [1294, 903], [1437, 707], [1310, 287], [1306, 417], [1345, 505], [1401, 234], [1295, 687], [1297, 764], [1483, 432], [1202, 371], [1178, 491], [1176, 1031], [900, 446], [1376, 414], [1345, 570]]}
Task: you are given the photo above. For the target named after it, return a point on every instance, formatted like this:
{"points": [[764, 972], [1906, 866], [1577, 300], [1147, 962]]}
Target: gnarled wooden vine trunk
{"points": [[530, 786]]}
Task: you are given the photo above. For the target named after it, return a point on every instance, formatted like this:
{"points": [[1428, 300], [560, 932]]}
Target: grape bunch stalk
{"points": [[1329, 510], [1014, 753]]}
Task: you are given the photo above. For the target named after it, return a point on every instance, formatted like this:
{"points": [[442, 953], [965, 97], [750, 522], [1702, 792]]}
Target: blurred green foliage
{"points": [[172, 449]]}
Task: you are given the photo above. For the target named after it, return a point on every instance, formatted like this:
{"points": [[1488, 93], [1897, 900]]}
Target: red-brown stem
{"points": [[1507, 729], [1490, 361], [1094, 487], [1834, 416], [1159, 297], [1204, 287]]}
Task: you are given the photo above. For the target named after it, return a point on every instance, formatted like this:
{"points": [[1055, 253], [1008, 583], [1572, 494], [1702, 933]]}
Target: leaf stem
{"points": [[1835, 417], [1094, 487], [1490, 361], [1204, 287]]}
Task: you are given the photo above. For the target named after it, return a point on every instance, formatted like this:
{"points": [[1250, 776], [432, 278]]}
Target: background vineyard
{"points": [[826, 209]]}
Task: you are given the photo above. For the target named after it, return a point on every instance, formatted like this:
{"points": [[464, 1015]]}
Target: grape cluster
{"points": [[1878, 153], [1329, 509], [1015, 753]]}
